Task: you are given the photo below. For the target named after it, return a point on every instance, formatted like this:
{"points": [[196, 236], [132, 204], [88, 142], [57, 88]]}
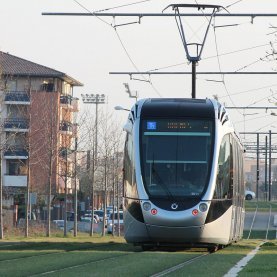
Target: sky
{"points": [[89, 48]]}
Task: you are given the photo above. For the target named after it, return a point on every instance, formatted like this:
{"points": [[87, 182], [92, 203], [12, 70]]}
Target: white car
{"points": [[110, 221], [87, 218], [249, 195]]}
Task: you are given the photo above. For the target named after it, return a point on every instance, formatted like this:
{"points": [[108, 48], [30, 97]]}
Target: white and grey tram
{"points": [[183, 175]]}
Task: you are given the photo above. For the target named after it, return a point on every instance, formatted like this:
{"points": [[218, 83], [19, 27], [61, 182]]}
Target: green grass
{"points": [[109, 256], [219, 263], [35, 256], [264, 263], [262, 206], [260, 234]]}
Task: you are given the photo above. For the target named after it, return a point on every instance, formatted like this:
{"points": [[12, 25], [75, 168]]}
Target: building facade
{"points": [[38, 130]]}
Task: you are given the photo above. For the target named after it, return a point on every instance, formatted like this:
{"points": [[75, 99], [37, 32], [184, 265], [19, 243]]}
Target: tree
{"points": [[111, 139], [102, 176]]}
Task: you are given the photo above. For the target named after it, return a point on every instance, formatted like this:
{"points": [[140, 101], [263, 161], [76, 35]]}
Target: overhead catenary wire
{"points": [[249, 90], [212, 57], [130, 59], [266, 125], [138, 2], [92, 13], [219, 66], [250, 119], [234, 3], [120, 40], [122, 6]]}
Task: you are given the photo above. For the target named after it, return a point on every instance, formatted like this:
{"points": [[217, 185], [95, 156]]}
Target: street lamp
{"points": [[94, 99], [119, 108]]}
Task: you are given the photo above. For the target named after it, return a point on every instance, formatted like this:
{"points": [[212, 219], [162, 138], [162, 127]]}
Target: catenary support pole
{"points": [[258, 169], [269, 169], [265, 182]]}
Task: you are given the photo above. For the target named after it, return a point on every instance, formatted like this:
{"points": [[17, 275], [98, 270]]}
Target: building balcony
{"points": [[16, 125], [16, 152], [48, 87], [15, 180], [17, 98], [76, 104], [66, 128], [66, 101], [75, 130]]}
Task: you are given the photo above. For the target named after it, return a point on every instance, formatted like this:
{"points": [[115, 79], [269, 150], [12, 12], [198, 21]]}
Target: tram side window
{"points": [[223, 180]]}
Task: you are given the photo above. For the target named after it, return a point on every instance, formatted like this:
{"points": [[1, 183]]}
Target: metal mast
{"points": [[193, 59]]}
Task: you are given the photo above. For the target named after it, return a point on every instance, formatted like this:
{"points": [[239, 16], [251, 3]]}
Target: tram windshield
{"points": [[176, 156]]}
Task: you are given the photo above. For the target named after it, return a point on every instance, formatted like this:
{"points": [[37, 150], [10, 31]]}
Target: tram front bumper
{"points": [[175, 234]]}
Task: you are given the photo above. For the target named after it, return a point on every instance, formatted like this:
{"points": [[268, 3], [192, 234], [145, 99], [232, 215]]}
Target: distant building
{"points": [[37, 130]]}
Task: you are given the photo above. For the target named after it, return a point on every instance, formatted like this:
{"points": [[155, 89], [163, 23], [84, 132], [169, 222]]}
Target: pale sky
{"points": [[87, 49]]}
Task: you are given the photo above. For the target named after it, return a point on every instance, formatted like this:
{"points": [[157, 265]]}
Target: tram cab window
{"points": [[176, 156]]}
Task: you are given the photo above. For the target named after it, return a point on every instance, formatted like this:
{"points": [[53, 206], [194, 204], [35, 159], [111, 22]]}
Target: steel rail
{"points": [[178, 266], [252, 224], [82, 264], [268, 223], [94, 247]]}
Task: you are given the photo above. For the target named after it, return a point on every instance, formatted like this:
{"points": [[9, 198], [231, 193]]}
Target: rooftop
{"points": [[15, 66]]}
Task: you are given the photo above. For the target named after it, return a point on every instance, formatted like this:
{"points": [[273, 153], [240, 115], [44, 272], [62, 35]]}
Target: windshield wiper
{"points": [[161, 183]]}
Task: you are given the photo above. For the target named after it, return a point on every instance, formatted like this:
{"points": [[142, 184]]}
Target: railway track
{"points": [[261, 221], [76, 266], [164, 272], [61, 252], [179, 266]]}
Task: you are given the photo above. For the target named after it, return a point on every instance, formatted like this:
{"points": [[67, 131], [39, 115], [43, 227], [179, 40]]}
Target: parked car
{"points": [[59, 223], [249, 195], [100, 214], [87, 218], [110, 221], [110, 210]]}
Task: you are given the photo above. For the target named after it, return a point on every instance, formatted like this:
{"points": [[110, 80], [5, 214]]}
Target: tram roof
{"points": [[178, 107]]}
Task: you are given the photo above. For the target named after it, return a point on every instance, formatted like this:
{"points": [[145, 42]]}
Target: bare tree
{"points": [[110, 138], [16, 115], [44, 152]]}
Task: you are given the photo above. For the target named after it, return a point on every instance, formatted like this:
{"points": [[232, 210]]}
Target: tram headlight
{"points": [[146, 206], [203, 207]]}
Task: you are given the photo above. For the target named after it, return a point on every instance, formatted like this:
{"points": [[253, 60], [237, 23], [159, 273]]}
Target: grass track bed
{"points": [[101, 257], [40, 249], [262, 206], [264, 263]]}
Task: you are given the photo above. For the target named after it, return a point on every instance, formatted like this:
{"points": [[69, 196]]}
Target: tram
{"points": [[183, 175]]}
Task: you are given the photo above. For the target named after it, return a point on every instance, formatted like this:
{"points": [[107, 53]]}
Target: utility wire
{"points": [[121, 42], [211, 57], [121, 6], [219, 66], [249, 90], [250, 119], [230, 5], [266, 125], [132, 62], [82, 6], [260, 100]]}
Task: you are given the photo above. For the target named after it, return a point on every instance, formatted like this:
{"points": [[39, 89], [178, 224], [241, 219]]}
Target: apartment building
{"points": [[38, 129]]}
